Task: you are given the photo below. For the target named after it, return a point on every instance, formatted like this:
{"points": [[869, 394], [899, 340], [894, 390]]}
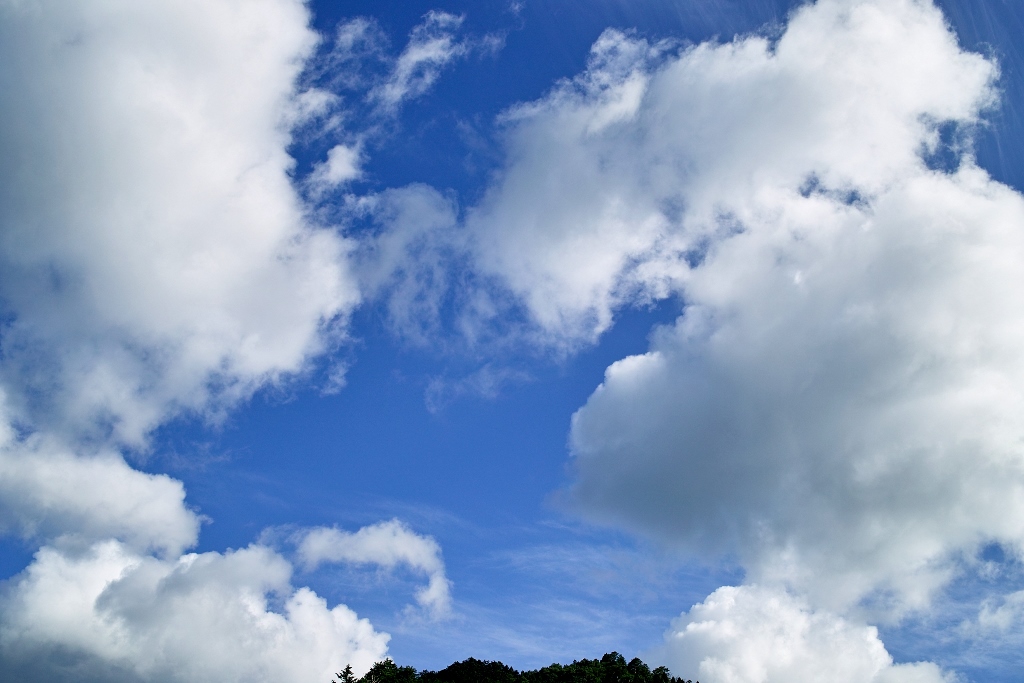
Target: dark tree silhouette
{"points": [[472, 671], [611, 668], [345, 675], [389, 672]]}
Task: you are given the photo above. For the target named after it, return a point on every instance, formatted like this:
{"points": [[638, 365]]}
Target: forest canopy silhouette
{"points": [[611, 668]]}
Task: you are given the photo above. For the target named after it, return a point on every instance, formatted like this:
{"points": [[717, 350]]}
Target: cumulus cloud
{"points": [[105, 613], [155, 260], [620, 178], [839, 403], [752, 634], [342, 165], [50, 492], [387, 544], [568, 213], [155, 257]]}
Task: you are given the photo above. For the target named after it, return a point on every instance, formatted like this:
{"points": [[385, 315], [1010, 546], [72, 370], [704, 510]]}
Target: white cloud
{"points": [[387, 544], [105, 613], [358, 51], [566, 217], [342, 165], [408, 263], [155, 260], [47, 491], [155, 257], [998, 616], [618, 180], [432, 45], [751, 634], [840, 404], [487, 382], [359, 61]]}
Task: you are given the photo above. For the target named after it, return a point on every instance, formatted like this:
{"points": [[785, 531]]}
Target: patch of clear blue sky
{"points": [[532, 584]]}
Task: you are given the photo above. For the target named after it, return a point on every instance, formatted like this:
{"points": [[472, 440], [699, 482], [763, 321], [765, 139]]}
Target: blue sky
{"points": [[517, 330]]}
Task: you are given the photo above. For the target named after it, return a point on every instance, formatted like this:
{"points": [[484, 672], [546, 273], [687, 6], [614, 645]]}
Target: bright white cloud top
{"points": [[155, 259], [840, 403], [622, 178], [839, 407], [750, 633], [104, 613]]}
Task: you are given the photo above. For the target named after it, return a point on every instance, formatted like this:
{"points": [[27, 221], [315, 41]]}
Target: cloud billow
{"points": [[104, 613], [839, 404], [156, 260], [753, 633]]}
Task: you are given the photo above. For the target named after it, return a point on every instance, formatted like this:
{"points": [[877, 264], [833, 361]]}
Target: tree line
{"points": [[611, 668]]}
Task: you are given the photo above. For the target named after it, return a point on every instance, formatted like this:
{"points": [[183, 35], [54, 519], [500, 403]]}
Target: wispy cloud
{"points": [[432, 46], [357, 87]]}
